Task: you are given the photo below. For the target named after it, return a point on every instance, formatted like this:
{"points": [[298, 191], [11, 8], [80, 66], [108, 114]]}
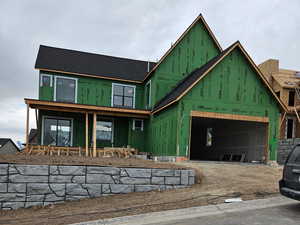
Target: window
{"points": [[291, 98], [209, 137], [278, 94], [123, 96], [138, 125], [148, 94], [65, 89], [46, 80], [104, 130], [289, 128], [294, 157], [57, 132]]}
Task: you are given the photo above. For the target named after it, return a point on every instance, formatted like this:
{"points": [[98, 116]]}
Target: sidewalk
{"points": [[187, 213]]}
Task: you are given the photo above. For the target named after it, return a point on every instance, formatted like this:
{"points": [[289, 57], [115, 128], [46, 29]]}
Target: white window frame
{"points": [[57, 118], [70, 78], [149, 98], [45, 75], [133, 124], [112, 128], [124, 85], [294, 127]]}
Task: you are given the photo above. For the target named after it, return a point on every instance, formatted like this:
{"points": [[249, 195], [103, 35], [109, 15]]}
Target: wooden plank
{"points": [[94, 134], [297, 114], [27, 127], [229, 116], [86, 134], [282, 119]]}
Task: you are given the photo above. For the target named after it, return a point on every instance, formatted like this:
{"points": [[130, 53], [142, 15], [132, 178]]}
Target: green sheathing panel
{"points": [[162, 133], [194, 50], [232, 87], [136, 139], [120, 130], [92, 91]]}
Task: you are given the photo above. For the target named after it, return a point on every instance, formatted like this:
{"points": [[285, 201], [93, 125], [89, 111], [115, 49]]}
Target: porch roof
{"points": [[82, 108]]}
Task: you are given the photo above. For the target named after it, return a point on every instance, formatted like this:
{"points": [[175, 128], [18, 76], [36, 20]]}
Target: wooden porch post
{"points": [[94, 134], [86, 134], [27, 129]]}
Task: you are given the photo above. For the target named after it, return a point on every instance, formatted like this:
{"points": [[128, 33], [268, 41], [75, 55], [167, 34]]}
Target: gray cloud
{"points": [[135, 29]]}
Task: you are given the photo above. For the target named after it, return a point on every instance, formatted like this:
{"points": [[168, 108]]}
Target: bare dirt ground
{"points": [[218, 182], [77, 160]]}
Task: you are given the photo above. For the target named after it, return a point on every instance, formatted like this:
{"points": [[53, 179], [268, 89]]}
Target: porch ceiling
{"points": [[81, 108]]}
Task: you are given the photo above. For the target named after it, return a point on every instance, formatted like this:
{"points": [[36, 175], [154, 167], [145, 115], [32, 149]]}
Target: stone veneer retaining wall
{"points": [[284, 148], [30, 185]]}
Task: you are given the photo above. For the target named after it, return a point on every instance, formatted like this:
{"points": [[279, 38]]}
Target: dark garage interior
{"points": [[227, 140]]}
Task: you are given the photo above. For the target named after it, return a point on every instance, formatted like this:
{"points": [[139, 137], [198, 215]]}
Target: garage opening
{"points": [[227, 140]]}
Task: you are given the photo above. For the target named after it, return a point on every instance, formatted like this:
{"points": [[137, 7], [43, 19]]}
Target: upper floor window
{"points": [[291, 98], [65, 89], [123, 95], [46, 80]]}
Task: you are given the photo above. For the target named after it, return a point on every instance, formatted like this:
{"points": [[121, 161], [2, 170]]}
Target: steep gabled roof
{"points": [[193, 78], [92, 65], [3, 141], [200, 18]]}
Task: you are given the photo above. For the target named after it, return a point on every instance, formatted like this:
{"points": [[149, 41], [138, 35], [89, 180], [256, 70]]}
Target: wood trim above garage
{"points": [[230, 116]]}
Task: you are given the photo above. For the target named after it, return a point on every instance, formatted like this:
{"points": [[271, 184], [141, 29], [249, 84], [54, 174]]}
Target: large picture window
{"points": [[104, 131], [57, 132], [123, 96], [65, 89]]}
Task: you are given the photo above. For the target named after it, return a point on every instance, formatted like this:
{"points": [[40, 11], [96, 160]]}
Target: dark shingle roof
{"points": [[188, 81], [64, 60], [3, 141]]}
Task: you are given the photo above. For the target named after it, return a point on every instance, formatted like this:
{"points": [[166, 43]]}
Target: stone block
{"points": [[54, 170], [192, 173], [38, 188], [134, 180], [94, 190], [74, 197], [106, 189], [99, 179], [172, 180], [191, 180], [145, 188], [72, 170], [163, 172], [3, 178], [76, 189], [78, 179], [58, 189], [12, 197], [103, 170], [3, 187], [177, 173], [60, 179], [116, 179], [123, 173], [137, 172], [16, 187], [158, 180], [3, 169], [184, 177], [121, 188], [31, 204], [53, 198], [30, 169], [18, 178], [35, 198], [13, 205]]}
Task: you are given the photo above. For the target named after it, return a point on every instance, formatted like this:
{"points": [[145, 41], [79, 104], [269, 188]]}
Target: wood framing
{"points": [[72, 107], [86, 134], [27, 126], [94, 134], [230, 116]]}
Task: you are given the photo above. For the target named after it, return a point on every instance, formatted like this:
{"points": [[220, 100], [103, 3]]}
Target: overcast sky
{"points": [[136, 29]]}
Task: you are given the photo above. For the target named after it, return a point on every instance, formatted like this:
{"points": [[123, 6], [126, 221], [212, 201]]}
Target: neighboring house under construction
{"points": [[286, 84]]}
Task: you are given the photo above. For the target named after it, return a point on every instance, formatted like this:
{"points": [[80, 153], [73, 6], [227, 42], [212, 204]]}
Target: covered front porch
{"points": [[88, 129]]}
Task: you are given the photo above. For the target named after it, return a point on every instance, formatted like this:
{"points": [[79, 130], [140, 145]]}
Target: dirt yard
{"points": [[219, 181]]}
